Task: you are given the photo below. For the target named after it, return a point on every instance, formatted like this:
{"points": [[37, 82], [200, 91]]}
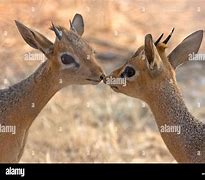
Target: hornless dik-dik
{"points": [[70, 60], [150, 76]]}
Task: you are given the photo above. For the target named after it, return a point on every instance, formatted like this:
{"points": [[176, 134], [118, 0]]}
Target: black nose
{"points": [[102, 76]]}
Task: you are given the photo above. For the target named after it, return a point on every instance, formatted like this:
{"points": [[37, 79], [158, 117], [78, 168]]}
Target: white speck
{"points": [[60, 81], [60, 129], [143, 105], [33, 105], [88, 105], [142, 9], [88, 57], [170, 81], [33, 153], [143, 153], [33, 9], [198, 153], [143, 57], [5, 33], [116, 33], [6, 82], [198, 104]]}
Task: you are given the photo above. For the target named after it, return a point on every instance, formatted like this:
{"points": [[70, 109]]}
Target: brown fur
{"points": [[158, 88], [21, 103]]}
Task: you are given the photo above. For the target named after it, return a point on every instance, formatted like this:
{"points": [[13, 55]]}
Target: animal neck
{"points": [[29, 96], [181, 132]]}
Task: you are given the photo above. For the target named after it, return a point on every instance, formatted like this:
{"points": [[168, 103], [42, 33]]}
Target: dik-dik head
{"points": [[70, 57], [150, 68]]}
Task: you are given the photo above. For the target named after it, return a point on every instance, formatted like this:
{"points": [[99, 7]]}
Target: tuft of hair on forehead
{"points": [[60, 28], [64, 30], [139, 51]]}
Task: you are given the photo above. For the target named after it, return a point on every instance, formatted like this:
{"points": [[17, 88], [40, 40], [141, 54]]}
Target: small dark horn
{"points": [[72, 27], [57, 32], [168, 37], [157, 41]]}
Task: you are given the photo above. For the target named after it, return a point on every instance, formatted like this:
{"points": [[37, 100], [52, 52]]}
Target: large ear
{"points": [[189, 45], [35, 39], [78, 24], [151, 53]]}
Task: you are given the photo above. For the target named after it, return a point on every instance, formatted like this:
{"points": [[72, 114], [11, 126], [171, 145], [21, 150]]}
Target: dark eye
{"points": [[68, 59], [128, 72]]}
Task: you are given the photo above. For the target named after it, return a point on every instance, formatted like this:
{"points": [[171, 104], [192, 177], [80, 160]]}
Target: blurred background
{"points": [[93, 123]]}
